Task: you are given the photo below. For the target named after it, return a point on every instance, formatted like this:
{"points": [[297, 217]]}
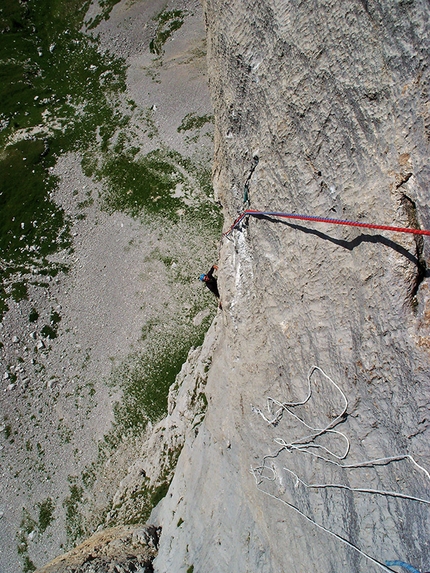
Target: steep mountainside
{"points": [[332, 98], [330, 323]]}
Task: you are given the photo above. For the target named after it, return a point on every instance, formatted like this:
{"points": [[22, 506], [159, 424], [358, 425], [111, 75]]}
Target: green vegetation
{"points": [[151, 127], [61, 94], [74, 521], [145, 382], [19, 291], [46, 510], [57, 91], [192, 121], [86, 203], [147, 182], [106, 7], [50, 69], [28, 565], [48, 332], [167, 23], [143, 500], [158, 493], [28, 526], [27, 214], [145, 379], [55, 318], [32, 227], [33, 316]]}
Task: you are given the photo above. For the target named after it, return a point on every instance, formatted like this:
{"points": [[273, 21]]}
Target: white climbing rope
{"points": [[357, 489], [335, 535], [307, 445], [307, 440]]}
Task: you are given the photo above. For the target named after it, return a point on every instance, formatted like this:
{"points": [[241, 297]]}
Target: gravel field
{"points": [[131, 292]]}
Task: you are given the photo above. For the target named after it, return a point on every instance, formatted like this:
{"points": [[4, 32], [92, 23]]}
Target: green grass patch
{"points": [[19, 291], [58, 94], [48, 332], [159, 493], [33, 316], [143, 500], [50, 67], [151, 127], [74, 521], [168, 21], [150, 183], [145, 183], [106, 7], [51, 330], [27, 526], [192, 121], [55, 318], [46, 511], [31, 225], [145, 383], [28, 565]]}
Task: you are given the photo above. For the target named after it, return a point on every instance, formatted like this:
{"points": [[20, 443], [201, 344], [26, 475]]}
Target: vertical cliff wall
{"points": [[332, 98]]}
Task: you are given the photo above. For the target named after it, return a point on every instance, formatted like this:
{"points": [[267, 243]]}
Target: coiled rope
{"points": [[307, 445], [276, 214]]}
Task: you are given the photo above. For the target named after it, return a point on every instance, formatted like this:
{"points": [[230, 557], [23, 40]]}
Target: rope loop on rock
{"points": [[307, 445]]}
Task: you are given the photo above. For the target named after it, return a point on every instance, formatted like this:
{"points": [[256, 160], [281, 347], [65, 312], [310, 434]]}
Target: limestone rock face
{"points": [[333, 98]]}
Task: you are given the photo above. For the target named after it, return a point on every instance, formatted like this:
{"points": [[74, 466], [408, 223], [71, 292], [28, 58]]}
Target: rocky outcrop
{"points": [[116, 550], [332, 98]]}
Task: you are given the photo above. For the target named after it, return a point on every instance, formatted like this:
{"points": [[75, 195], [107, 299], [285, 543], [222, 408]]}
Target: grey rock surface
{"points": [[332, 98]]}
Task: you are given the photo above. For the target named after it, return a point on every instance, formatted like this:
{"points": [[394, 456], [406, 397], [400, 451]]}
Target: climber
{"points": [[211, 282]]}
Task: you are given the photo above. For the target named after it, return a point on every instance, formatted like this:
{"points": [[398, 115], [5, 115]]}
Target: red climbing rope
{"points": [[253, 213]]}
